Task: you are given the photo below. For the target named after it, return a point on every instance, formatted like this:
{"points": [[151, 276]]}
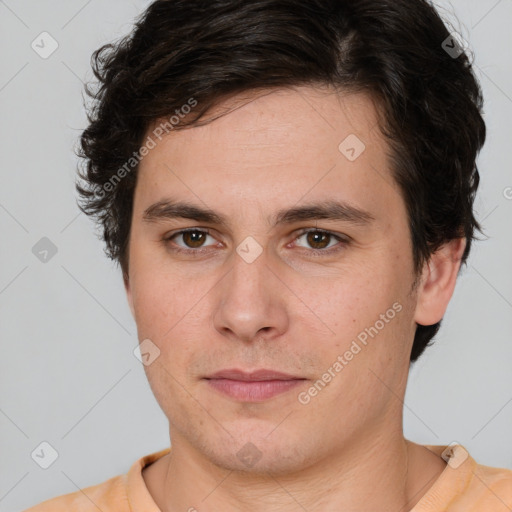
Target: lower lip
{"points": [[253, 391]]}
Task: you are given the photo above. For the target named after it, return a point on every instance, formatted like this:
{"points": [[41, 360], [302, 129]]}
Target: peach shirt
{"points": [[463, 486]]}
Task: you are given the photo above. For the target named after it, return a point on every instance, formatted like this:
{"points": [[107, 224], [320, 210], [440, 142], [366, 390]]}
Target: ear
{"points": [[438, 282], [126, 281]]}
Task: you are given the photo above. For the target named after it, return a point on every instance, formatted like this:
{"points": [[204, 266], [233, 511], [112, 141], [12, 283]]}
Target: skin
{"points": [[288, 310]]}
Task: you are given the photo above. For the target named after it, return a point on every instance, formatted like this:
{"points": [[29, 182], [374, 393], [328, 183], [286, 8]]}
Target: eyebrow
{"points": [[167, 209]]}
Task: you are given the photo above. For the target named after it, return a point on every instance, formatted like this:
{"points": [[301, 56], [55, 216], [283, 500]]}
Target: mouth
{"points": [[254, 386]]}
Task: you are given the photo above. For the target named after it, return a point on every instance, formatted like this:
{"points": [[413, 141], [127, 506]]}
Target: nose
{"points": [[250, 302]]}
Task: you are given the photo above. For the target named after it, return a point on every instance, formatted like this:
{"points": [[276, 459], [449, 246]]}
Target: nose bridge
{"points": [[255, 273], [246, 286], [247, 301]]}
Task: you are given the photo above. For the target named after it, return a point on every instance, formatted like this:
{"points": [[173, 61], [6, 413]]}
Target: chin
{"points": [[258, 452]]}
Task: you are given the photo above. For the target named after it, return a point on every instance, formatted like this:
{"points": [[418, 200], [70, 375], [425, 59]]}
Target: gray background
{"points": [[68, 374]]}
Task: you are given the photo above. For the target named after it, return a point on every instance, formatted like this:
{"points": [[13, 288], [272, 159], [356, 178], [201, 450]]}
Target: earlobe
{"points": [[438, 282]]}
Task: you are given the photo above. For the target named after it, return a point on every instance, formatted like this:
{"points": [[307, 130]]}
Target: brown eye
{"points": [[194, 239], [320, 242], [189, 239], [318, 239]]}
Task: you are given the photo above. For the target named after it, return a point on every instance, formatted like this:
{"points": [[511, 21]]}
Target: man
{"points": [[288, 187]]}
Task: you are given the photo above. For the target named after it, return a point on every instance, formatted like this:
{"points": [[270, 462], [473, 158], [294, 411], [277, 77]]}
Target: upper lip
{"points": [[255, 375]]}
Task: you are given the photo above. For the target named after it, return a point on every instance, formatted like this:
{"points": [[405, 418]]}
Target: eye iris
{"points": [[193, 238], [316, 237]]}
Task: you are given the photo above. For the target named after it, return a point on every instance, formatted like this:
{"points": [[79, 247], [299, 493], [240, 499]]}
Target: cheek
{"points": [[159, 302], [172, 312], [348, 299], [366, 310]]}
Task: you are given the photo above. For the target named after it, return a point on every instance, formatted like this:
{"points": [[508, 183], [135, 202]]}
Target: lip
{"points": [[253, 376], [255, 386]]}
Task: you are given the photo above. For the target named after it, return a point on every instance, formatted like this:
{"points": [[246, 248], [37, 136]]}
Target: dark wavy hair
{"points": [[397, 51]]}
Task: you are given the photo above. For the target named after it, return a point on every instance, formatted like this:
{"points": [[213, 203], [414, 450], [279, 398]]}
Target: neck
{"points": [[388, 473]]}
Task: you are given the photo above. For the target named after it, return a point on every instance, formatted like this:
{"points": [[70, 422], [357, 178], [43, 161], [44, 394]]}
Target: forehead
{"points": [[259, 119], [276, 147]]}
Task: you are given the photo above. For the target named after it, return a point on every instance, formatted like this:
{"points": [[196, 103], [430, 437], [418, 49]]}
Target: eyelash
{"points": [[315, 252]]}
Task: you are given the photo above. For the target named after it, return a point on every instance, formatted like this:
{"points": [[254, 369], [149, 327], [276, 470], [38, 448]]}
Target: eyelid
{"points": [[313, 229], [206, 231], [342, 239]]}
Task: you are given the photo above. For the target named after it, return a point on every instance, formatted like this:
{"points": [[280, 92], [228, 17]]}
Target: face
{"points": [[297, 259]]}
